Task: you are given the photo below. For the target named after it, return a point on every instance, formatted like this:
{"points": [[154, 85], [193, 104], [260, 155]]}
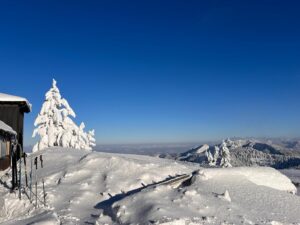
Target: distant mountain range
{"points": [[280, 154]]}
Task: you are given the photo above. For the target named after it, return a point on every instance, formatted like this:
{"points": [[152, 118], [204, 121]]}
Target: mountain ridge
{"points": [[244, 152]]}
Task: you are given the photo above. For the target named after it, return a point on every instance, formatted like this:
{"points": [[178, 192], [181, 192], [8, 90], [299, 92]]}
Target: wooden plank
{"points": [[176, 180]]}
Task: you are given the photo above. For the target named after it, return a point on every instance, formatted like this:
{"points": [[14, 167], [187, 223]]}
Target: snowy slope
{"points": [[102, 188]]}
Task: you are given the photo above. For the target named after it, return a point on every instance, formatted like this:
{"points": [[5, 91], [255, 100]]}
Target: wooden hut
{"points": [[7, 137], [12, 109]]}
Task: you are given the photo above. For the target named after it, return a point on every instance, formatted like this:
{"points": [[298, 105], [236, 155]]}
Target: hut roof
{"points": [[6, 129], [6, 98]]}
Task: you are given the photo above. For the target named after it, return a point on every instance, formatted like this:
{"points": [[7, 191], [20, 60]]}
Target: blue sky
{"points": [[158, 71]]}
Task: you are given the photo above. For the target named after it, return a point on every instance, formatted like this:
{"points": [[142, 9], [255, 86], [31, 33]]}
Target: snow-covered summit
{"points": [[202, 149], [232, 144]]}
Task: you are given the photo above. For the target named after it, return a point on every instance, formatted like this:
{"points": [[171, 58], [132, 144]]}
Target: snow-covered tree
{"points": [[225, 155], [216, 154], [209, 157], [55, 126], [212, 156], [91, 138]]}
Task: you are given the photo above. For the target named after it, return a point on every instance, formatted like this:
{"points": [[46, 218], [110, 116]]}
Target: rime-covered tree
{"points": [[91, 138], [55, 126], [216, 155], [212, 156], [209, 157], [225, 155]]}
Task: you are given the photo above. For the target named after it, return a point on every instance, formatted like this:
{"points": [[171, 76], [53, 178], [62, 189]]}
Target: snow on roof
{"points": [[13, 98], [4, 127]]}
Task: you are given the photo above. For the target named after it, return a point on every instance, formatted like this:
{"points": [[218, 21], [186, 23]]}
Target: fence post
{"points": [[20, 171], [35, 162], [44, 192], [30, 185]]}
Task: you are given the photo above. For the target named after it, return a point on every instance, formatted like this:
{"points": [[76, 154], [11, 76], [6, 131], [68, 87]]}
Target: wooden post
{"points": [[30, 176], [12, 169], [41, 159], [14, 179], [20, 171], [25, 165], [35, 194], [36, 167], [44, 192], [35, 188]]}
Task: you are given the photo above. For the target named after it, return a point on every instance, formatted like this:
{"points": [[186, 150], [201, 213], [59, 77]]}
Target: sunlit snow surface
{"points": [[102, 188]]}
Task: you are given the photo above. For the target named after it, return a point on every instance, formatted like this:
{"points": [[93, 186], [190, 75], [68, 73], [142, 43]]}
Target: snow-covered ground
{"points": [[102, 188]]}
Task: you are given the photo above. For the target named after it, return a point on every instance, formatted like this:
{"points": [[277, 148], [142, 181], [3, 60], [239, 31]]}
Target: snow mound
{"points": [[264, 176], [225, 196]]}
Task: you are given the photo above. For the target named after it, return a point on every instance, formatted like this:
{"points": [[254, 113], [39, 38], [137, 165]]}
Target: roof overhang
{"points": [[23, 103], [6, 130]]}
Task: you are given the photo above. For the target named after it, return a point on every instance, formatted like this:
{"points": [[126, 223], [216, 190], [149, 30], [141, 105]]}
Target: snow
{"points": [[264, 176], [225, 196], [12, 98], [55, 126], [6, 128], [294, 175], [202, 149], [102, 188]]}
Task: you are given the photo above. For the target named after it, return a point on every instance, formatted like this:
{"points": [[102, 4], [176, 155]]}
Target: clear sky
{"points": [[158, 71]]}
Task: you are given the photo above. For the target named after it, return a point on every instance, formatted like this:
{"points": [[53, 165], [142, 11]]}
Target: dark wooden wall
{"points": [[13, 116]]}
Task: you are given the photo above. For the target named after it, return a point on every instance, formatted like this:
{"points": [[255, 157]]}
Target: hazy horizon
{"points": [[171, 147]]}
